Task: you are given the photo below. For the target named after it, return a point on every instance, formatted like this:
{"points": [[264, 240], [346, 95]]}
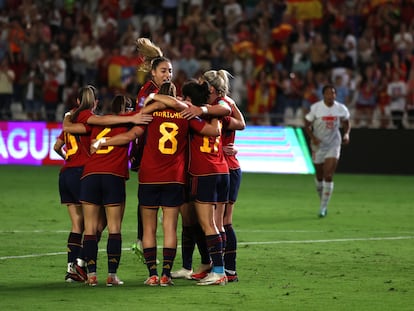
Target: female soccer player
{"points": [[230, 124], [219, 103], [322, 125], [209, 174], [162, 177], [103, 185], [160, 69], [76, 154], [69, 189], [79, 121]]}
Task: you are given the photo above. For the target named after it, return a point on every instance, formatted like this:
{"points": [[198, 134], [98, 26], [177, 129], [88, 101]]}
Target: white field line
{"points": [[237, 230], [247, 243]]}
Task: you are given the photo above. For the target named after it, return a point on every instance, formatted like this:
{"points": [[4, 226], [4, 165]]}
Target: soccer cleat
{"points": [[113, 281], [137, 249], [201, 272], [213, 279], [323, 213], [183, 273], [80, 271], [232, 278], [71, 277], [166, 281], [199, 276], [153, 280], [92, 280]]}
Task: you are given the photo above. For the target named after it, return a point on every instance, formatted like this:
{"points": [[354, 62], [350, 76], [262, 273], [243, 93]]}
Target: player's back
{"points": [[165, 152], [111, 159]]}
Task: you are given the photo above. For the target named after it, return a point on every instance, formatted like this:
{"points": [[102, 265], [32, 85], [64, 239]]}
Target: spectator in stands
{"points": [[410, 97], [33, 81], [403, 40], [16, 38], [70, 96], [342, 65], [310, 95], [103, 18], [233, 12], [126, 14], [188, 63], [343, 92], [58, 67], [366, 101], [261, 94], [93, 53], [68, 28], [350, 44], [50, 94], [384, 40], [318, 53], [7, 77], [397, 90], [19, 67], [383, 100], [398, 65], [77, 58], [379, 29], [366, 48]]}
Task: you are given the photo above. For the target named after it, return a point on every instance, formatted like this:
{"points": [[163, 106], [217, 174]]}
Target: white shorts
{"points": [[320, 154]]}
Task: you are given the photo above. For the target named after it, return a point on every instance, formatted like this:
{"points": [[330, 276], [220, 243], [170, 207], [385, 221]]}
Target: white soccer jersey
{"points": [[326, 122]]}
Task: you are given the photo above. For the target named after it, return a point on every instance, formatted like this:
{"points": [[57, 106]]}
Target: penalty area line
{"points": [[244, 243]]}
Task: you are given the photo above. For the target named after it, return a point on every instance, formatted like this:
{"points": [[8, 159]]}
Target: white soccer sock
{"points": [[318, 185], [327, 189]]}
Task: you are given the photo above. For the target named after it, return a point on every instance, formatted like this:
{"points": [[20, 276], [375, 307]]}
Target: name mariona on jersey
{"points": [[167, 114]]}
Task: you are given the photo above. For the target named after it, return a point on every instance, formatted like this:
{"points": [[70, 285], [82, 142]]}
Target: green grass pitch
{"points": [[361, 257]]}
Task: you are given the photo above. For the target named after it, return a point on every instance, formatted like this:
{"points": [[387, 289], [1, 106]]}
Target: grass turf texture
{"points": [[358, 258]]}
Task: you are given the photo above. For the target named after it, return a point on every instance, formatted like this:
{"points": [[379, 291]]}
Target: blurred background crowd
{"points": [[280, 53]]}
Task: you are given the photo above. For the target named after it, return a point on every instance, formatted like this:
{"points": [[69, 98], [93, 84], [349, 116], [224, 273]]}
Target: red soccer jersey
{"points": [[108, 160], [228, 137], [165, 153], [77, 149], [76, 145], [206, 156], [148, 88], [206, 153], [137, 147], [83, 116]]}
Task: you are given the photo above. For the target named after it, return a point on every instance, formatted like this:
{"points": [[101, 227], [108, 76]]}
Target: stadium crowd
{"points": [[280, 53]]}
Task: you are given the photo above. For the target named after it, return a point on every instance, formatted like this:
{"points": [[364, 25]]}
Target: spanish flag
{"points": [[121, 69]]}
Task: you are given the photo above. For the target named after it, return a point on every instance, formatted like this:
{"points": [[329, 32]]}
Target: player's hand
{"points": [[345, 139], [141, 118], [94, 146], [191, 112], [230, 149]]}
